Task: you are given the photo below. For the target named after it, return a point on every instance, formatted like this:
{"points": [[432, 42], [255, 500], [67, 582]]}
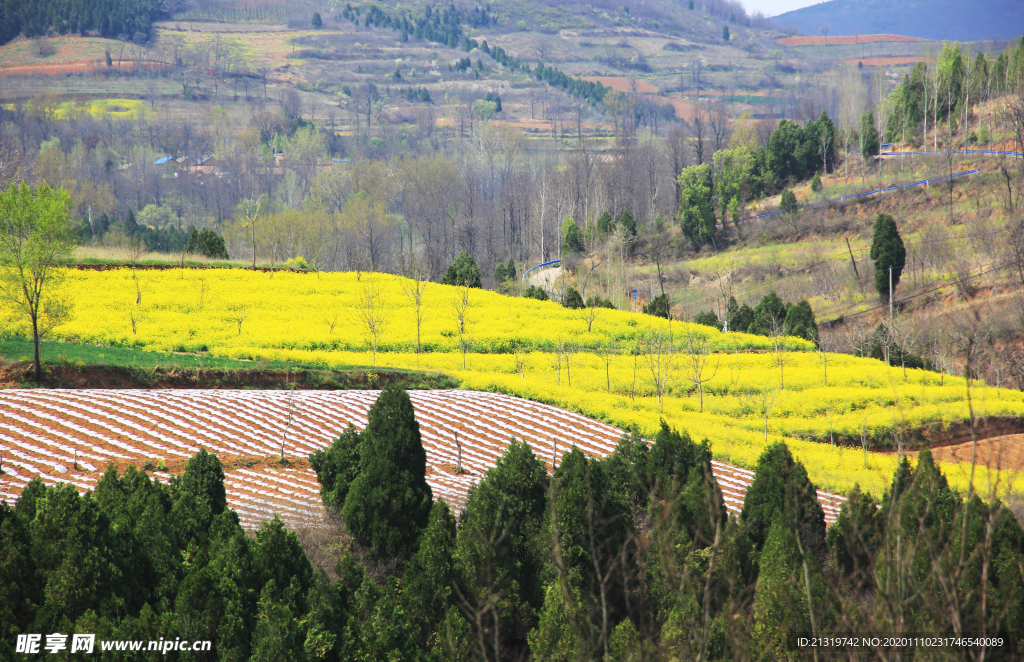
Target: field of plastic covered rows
{"points": [[41, 431]]}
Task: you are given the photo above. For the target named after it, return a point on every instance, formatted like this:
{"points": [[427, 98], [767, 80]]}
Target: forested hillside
{"points": [[127, 19], [628, 558]]}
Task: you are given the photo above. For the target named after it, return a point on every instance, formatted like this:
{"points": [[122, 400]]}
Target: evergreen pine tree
{"points": [[888, 253], [388, 504]]}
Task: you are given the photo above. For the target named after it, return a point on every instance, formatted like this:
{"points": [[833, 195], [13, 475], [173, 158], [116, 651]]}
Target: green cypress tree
{"points": [[788, 203], [708, 318], [627, 223], [498, 546], [278, 557], [573, 299], [782, 491], [781, 608], [696, 207], [855, 537], [769, 315], [204, 479], [555, 639], [20, 590], [800, 322], [870, 144], [323, 623], [278, 636], [388, 504], [888, 253], [605, 223], [427, 581], [462, 272], [572, 237], [500, 273], [336, 467], [659, 307]]}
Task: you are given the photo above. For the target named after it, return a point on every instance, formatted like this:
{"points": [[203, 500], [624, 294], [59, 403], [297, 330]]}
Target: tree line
{"points": [[630, 557], [127, 19]]}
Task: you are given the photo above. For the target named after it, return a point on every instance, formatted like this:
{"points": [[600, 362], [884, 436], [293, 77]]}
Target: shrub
{"points": [[659, 307], [207, 242], [535, 292], [708, 318]]}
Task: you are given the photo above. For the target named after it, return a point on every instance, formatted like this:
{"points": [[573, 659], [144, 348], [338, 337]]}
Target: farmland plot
{"points": [[47, 433]]}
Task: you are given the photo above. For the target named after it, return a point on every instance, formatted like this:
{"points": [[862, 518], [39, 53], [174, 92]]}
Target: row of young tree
{"points": [[630, 557], [927, 96]]}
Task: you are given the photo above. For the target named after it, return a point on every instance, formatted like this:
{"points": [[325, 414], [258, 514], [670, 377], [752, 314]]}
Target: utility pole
{"points": [[853, 261], [554, 449]]}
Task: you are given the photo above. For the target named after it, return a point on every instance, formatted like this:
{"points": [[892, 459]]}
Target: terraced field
{"points": [[42, 432]]}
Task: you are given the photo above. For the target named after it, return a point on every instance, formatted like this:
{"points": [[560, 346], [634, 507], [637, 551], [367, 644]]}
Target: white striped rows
{"points": [[43, 431]]}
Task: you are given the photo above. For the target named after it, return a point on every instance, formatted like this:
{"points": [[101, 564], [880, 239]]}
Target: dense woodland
{"points": [[632, 557], [122, 19]]}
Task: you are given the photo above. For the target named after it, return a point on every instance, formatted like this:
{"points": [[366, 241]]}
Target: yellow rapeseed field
{"points": [[512, 347]]}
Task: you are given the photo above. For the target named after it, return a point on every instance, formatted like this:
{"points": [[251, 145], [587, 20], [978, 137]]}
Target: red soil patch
{"points": [[623, 84], [1006, 452], [860, 39], [88, 67]]}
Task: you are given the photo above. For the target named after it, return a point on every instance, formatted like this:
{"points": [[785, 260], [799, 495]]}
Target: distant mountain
{"points": [[954, 20]]}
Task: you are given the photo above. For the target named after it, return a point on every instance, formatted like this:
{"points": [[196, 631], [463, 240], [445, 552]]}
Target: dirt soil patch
{"points": [[58, 68], [1006, 452]]}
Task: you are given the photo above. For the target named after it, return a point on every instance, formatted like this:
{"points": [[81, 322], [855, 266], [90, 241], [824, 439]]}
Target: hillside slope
{"points": [[960, 20]]}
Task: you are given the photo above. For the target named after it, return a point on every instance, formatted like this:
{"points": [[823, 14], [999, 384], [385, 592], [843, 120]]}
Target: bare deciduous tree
{"points": [[374, 313], [698, 353], [659, 350]]}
